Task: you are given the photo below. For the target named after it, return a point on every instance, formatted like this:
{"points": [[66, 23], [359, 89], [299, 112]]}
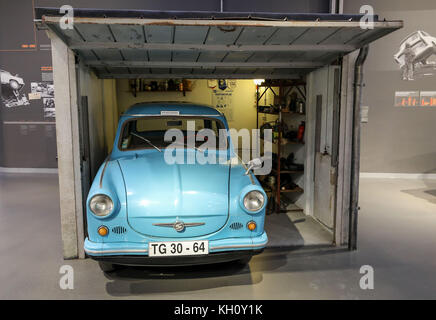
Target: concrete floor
{"points": [[396, 237], [295, 229]]}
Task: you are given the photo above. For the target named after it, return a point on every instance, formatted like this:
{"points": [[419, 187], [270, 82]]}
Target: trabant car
{"points": [[146, 208]]}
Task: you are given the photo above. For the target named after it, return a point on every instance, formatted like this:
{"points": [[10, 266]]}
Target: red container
{"points": [[300, 134]]}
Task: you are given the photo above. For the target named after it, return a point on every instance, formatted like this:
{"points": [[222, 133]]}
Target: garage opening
{"points": [[289, 73]]}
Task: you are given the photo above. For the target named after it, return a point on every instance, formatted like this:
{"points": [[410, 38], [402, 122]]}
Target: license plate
{"points": [[178, 248]]}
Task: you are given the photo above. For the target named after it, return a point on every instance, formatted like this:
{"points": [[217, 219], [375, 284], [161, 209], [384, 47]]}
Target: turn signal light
{"points": [[103, 231], [251, 225]]}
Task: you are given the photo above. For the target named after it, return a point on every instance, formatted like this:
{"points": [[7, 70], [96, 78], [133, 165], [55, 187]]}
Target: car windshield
{"points": [[149, 132]]}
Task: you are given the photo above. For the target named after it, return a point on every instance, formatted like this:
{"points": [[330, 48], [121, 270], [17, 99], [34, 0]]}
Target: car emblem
{"points": [[179, 226]]}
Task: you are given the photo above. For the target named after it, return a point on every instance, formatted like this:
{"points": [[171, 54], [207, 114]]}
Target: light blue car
{"points": [[145, 207]]}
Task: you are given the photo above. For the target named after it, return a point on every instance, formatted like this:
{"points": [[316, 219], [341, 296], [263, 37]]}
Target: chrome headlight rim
{"points": [[107, 211], [259, 194]]}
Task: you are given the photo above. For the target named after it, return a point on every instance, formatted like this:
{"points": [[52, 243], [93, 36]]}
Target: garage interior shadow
{"points": [[284, 239]]}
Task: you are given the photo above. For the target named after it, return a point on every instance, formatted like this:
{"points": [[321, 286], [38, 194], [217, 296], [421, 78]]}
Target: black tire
{"points": [[244, 260], [107, 266]]}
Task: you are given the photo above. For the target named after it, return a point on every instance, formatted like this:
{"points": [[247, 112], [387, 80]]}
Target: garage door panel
{"points": [[159, 55], [315, 35], [159, 34], [205, 71], [310, 55], [261, 57], [259, 46], [123, 33], [182, 71], [101, 71], [211, 56], [87, 54], [344, 36], [118, 70], [246, 70], [190, 34], [140, 70], [108, 54], [237, 56], [260, 73], [185, 56], [223, 35], [224, 71], [255, 35], [135, 54], [160, 70], [94, 32], [285, 36]]}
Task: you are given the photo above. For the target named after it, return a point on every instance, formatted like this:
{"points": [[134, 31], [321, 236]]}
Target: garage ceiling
{"points": [[144, 44]]}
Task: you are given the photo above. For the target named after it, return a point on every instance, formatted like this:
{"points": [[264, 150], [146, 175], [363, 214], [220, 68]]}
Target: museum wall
{"points": [[397, 139]]}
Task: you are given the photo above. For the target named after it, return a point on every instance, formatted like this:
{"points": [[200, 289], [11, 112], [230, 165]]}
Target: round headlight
{"points": [[101, 205], [254, 200]]}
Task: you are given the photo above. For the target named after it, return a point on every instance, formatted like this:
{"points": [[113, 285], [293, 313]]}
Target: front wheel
{"points": [[107, 266]]}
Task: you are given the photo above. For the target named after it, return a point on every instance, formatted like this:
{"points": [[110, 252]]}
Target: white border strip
{"points": [[410, 176], [28, 170]]}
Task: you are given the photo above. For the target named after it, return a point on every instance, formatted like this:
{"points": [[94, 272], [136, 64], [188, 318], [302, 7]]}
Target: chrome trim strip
{"points": [[179, 115], [171, 225], [117, 251], [239, 246]]}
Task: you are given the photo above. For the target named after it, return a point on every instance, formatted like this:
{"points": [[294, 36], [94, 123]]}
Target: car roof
{"points": [[182, 107]]}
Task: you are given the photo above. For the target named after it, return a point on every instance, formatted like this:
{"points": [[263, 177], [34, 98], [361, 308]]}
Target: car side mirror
{"points": [[253, 164]]}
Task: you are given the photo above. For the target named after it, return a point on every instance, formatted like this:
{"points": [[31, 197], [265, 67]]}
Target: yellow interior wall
{"points": [[110, 110], [243, 100]]}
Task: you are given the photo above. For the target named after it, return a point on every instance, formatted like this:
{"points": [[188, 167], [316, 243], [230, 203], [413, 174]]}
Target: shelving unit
{"points": [[137, 85], [285, 88]]}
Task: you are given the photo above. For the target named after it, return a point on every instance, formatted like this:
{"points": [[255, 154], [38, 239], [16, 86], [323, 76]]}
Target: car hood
{"points": [[158, 192]]}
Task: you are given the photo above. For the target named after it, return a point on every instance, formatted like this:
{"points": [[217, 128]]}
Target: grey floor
{"points": [[396, 237], [295, 229]]}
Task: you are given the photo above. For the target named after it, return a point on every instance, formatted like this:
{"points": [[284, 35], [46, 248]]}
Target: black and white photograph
{"points": [[44, 89], [11, 90], [49, 107]]}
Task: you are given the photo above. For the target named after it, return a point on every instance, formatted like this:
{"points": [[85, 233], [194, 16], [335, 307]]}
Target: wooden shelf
{"points": [[131, 91], [286, 87], [291, 142], [294, 113], [273, 113], [283, 112], [282, 83], [287, 171]]}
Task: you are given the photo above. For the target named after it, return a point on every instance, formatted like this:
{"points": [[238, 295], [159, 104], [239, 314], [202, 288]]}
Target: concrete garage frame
{"points": [[113, 44]]}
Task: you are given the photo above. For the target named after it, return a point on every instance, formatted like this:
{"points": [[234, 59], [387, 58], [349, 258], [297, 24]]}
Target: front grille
{"points": [[119, 230], [236, 225]]}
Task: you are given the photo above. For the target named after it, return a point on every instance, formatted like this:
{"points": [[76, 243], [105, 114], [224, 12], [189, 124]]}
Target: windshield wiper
{"points": [[146, 140], [186, 144]]}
